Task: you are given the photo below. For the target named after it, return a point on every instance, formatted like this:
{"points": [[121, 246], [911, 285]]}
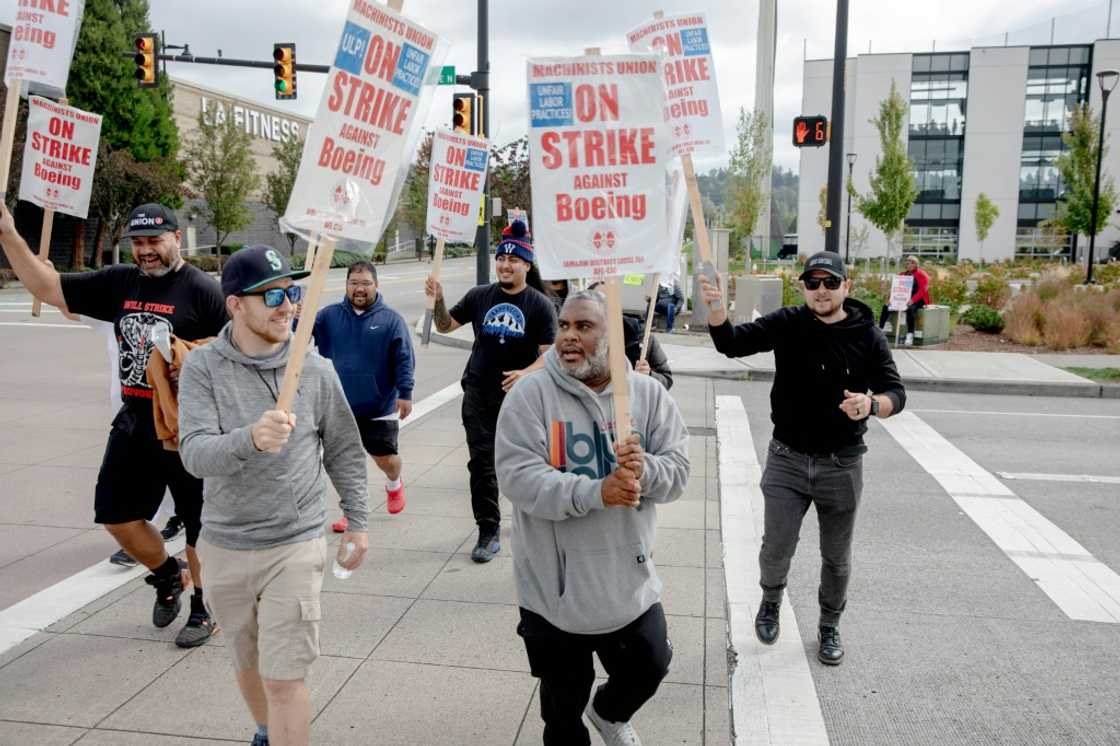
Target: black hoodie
{"points": [[815, 362]]}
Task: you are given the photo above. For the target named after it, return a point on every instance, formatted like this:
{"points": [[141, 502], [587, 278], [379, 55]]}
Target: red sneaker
{"points": [[340, 526], [396, 499]]}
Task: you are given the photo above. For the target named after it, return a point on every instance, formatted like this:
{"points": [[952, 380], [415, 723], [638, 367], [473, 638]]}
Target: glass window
{"points": [[1059, 56], [915, 212], [935, 151], [921, 63], [931, 212], [1038, 57], [1046, 210], [919, 115], [950, 212], [939, 63], [1026, 212], [1035, 112], [960, 62], [1079, 56]]}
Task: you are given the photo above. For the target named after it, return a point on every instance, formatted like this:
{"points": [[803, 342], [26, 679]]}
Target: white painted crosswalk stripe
{"points": [[1081, 586], [773, 697], [1036, 477]]}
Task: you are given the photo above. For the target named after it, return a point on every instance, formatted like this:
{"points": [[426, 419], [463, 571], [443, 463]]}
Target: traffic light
{"points": [[285, 70], [810, 132], [462, 113], [146, 59]]}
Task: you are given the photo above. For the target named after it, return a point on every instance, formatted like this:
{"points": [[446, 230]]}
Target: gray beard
{"points": [[591, 368], [156, 273]]}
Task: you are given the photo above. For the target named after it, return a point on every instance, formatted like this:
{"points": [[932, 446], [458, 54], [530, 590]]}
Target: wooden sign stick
{"points": [[437, 265], [8, 135], [45, 240], [649, 316], [292, 372]]}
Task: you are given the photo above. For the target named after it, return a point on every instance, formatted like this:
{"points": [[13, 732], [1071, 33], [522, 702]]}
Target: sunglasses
{"points": [[274, 297], [831, 282]]}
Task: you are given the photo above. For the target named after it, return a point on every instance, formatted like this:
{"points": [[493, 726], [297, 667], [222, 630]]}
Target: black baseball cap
{"points": [[152, 219], [827, 261], [255, 266]]}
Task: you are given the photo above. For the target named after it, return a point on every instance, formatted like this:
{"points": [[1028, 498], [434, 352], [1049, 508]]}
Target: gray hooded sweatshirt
{"points": [[253, 499], [585, 568]]}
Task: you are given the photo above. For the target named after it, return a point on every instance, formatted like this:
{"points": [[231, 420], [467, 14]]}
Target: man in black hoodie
{"points": [[828, 354]]}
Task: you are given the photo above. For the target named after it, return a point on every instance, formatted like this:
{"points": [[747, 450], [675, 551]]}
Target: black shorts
{"points": [[379, 437], [135, 472]]}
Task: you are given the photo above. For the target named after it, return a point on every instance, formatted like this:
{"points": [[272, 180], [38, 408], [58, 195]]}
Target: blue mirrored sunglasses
{"points": [[274, 297]]}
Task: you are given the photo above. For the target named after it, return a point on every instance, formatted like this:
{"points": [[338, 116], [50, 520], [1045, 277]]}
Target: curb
{"points": [[942, 385]]}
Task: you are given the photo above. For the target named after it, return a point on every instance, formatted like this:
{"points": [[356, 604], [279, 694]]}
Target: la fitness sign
{"points": [[255, 122]]}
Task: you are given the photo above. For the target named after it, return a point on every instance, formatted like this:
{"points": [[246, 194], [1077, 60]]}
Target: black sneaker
{"points": [[123, 559], [199, 629], [766, 626], [173, 528], [259, 740], [167, 604], [832, 651], [489, 544]]}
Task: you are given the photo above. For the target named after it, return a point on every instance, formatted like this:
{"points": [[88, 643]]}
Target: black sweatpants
{"points": [[480, 421], [635, 657], [911, 315]]}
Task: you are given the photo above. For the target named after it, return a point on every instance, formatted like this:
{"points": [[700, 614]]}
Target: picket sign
{"points": [[45, 239], [652, 298], [437, 265], [321, 250]]}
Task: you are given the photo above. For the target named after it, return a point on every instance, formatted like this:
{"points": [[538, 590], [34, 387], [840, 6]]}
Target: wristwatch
{"points": [[874, 408]]}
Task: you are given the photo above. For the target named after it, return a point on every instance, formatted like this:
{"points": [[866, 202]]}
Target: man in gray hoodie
{"points": [[584, 514], [264, 492]]}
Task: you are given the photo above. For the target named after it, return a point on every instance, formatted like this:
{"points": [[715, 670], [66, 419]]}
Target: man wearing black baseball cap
{"points": [[157, 290], [262, 522], [828, 354]]}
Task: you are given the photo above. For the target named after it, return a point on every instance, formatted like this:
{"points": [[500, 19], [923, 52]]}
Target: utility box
{"points": [[634, 296], [931, 326], [762, 292]]}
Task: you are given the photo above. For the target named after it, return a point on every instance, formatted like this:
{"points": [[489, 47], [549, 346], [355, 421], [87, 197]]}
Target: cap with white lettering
{"points": [[152, 219], [827, 261]]}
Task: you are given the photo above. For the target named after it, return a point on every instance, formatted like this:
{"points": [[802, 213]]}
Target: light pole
{"points": [[836, 136], [848, 240], [1107, 80]]}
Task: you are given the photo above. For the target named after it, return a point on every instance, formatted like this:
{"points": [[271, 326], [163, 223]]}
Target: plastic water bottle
{"points": [[341, 572]]}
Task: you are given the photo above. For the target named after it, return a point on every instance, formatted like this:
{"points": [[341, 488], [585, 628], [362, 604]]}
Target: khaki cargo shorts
{"points": [[267, 602]]}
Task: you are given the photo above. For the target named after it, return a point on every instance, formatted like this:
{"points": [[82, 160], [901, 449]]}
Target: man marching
{"points": [[158, 290]]}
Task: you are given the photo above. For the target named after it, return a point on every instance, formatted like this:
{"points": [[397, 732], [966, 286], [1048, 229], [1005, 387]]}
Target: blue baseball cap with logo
{"points": [[254, 267]]}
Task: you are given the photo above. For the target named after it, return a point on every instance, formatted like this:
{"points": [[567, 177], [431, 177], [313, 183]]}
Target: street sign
{"points": [[810, 132], [447, 75]]}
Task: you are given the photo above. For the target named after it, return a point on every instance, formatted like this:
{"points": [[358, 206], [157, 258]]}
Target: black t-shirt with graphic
{"points": [[508, 333], [188, 302]]}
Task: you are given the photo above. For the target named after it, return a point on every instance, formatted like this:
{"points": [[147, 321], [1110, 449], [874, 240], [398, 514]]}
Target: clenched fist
{"points": [[271, 432]]}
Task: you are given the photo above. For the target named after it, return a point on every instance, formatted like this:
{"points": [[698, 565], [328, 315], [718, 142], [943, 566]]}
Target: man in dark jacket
{"points": [[369, 344], [828, 354], [669, 302]]}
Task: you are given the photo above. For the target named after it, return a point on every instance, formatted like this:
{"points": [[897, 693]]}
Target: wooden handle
{"points": [[8, 135], [649, 317], [620, 382], [44, 253], [290, 385], [437, 267], [701, 230]]}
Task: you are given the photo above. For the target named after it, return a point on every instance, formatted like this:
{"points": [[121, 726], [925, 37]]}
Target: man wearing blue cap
{"points": [[157, 290], [262, 524], [513, 325]]}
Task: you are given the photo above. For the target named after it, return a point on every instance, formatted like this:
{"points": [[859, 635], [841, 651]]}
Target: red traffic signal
{"points": [[145, 59], [811, 132]]}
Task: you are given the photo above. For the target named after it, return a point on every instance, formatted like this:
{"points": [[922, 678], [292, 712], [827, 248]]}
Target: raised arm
{"points": [[40, 279]]}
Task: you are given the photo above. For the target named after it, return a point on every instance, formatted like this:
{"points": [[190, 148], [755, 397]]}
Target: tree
{"points": [[893, 188], [749, 166], [1078, 169], [223, 172], [414, 196], [509, 176], [986, 214], [822, 210], [278, 184]]}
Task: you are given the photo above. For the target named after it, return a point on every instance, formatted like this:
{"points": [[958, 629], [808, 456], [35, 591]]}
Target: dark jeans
{"points": [[480, 420], [669, 310], [635, 657], [790, 482], [911, 315]]}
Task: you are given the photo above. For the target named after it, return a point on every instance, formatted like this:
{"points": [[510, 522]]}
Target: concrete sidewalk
{"points": [[928, 370], [419, 646]]}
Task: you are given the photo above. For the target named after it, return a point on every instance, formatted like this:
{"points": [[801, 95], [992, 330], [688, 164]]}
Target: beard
{"points": [[159, 271], [591, 368], [361, 301], [264, 329]]}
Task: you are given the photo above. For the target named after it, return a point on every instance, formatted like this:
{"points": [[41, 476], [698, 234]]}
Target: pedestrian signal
{"points": [[811, 132]]}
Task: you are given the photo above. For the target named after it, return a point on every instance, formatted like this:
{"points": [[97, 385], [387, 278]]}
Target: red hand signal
{"points": [[801, 132]]}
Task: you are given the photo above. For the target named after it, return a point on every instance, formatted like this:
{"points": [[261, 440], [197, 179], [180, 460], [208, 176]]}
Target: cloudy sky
{"points": [[523, 29]]}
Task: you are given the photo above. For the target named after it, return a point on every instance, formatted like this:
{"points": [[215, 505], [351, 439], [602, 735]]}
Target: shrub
{"points": [[1064, 326], [205, 262], [984, 319], [340, 259], [992, 291], [1051, 285], [948, 290], [1023, 320], [1098, 311]]}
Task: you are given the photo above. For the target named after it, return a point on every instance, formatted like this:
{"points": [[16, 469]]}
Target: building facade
{"points": [[984, 121]]}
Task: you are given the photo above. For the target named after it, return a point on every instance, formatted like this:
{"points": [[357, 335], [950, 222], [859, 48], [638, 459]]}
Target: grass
{"points": [[1103, 375]]}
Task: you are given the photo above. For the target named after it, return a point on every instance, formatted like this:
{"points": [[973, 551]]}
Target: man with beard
{"points": [[513, 325], [585, 513], [158, 289], [369, 344], [262, 523], [828, 354]]}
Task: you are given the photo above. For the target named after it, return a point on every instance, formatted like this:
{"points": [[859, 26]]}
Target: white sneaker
{"points": [[613, 734], [909, 340]]}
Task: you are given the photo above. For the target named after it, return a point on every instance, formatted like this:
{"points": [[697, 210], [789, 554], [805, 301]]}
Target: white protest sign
{"points": [[356, 155], [456, 178], [691, 97], [59, 157], [598, 150], [42, 41], [901, 287]]}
